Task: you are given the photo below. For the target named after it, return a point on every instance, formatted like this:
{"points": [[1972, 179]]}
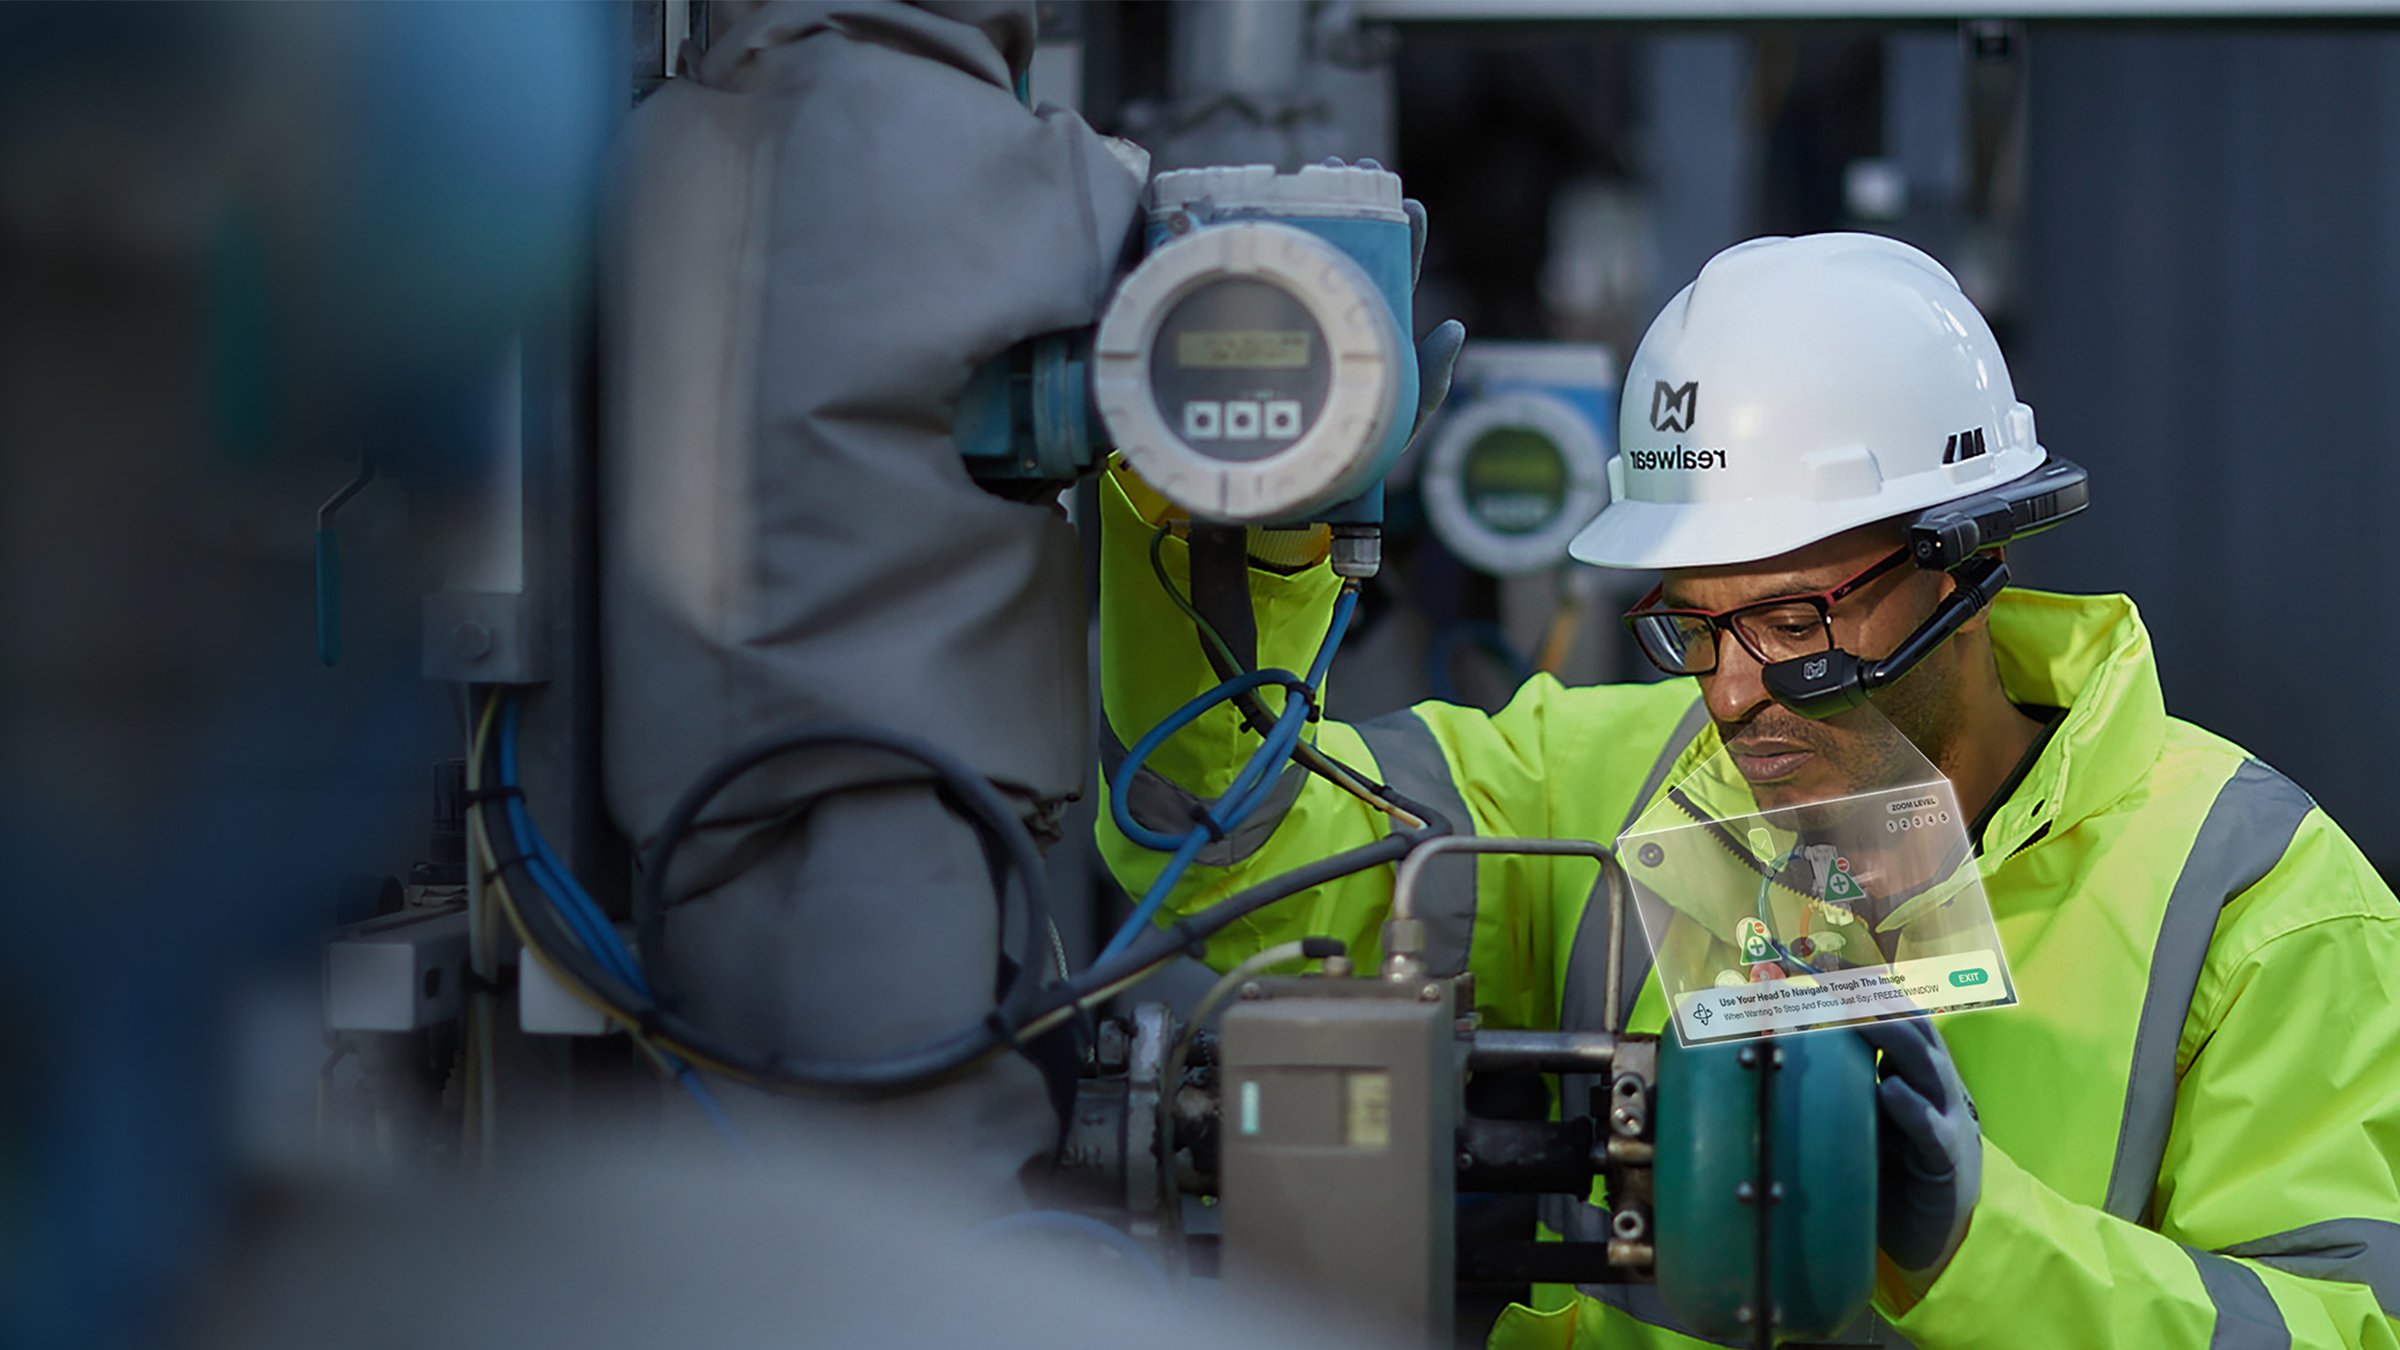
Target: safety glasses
{"points": [[1781, 628]]}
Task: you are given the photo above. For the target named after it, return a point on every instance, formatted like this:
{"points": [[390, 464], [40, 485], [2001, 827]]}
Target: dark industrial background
{"points": [[242, 246]]}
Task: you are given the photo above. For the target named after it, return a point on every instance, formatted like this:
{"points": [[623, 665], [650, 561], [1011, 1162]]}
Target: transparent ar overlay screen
{"points": [[1843, 893]]}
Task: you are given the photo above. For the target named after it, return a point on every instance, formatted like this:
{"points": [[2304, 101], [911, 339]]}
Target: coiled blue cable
{"points": [[1249, 788], [1119, 801]]}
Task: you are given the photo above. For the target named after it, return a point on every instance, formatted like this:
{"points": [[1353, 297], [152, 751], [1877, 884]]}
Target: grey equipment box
{"points": [[1340, 1118]]}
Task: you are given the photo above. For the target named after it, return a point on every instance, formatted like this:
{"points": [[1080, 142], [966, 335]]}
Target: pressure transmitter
{"points": [[1517, 463], [1256, 367]]}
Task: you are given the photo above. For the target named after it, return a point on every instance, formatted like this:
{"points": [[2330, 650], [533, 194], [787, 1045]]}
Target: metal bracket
{"points": [[481, 637]]}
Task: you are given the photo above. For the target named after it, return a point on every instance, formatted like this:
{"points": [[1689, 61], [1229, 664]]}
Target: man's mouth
{"points": [[1769, 761]]}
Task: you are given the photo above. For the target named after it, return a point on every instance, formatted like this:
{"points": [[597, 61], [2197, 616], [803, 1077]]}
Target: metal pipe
{"points": [[1404, 888], [341, 497], [1543, 1051], [1240, 48], [1403, 935], [675, 22]]}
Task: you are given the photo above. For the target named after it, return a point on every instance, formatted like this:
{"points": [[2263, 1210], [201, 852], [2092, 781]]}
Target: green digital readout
{"points": [[1243, 349], [1514, 480]]}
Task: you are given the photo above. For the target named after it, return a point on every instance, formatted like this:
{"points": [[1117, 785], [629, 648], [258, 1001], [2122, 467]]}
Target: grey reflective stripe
{"points": [[2247, 829], [1573, 1216], [1160, 803], [2354, 1251], [1412, 764], [1687, 730], [2247, 1318], [1587, 977], [1634, 961]]}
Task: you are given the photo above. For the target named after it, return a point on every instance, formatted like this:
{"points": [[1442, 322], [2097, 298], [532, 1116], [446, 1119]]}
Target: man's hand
{"points": [[1931, 1158]]}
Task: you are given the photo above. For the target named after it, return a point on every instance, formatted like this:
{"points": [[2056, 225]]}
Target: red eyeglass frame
{"points": [[1721, 620]]}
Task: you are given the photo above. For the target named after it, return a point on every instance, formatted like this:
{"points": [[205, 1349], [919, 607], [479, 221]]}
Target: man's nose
{"points": [[1735, 689]]}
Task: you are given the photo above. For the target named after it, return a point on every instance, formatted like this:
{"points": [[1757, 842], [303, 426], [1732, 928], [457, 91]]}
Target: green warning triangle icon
{"points": [[1841, 890], [1755, 945]]}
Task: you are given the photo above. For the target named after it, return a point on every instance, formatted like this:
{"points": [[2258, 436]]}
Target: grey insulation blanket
{"points": [[814, 238]]}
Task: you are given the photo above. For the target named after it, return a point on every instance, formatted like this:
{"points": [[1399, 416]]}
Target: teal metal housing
{"points": [[1766, 1156]]}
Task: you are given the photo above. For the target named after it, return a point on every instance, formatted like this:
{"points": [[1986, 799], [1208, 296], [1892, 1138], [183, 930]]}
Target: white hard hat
{"points": [[1796, 389]]}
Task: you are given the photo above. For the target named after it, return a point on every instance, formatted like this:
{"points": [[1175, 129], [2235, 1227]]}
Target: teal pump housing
{"points": [[1766, 1183]]}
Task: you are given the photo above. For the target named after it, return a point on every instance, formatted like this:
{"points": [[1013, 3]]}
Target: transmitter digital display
{"points": [[1239, 371], [1244, 349]]}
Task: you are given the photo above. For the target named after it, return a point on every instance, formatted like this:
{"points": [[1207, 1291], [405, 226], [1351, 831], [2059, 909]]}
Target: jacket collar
{"points": [[2090, 655]]}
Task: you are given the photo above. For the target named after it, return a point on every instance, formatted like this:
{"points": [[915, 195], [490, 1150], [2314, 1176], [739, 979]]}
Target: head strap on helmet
{"points": [[1947, 535], [1950, 538]]}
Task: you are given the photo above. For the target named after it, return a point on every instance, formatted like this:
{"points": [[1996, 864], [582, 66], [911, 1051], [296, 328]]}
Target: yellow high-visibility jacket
{"points": [[2192, 1119]]}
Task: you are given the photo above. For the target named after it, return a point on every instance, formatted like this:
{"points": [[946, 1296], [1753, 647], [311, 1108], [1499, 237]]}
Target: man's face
{"points": [[1788, 759]]}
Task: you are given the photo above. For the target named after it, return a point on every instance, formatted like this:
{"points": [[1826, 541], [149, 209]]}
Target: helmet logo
{"points": [[1673, 407], [1963, 446]]}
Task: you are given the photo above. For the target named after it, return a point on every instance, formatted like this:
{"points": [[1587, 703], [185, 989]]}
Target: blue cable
{"points": [[1249, 788], [1119, 800], [1139, 920], [583, 915], [591, 926], [711, 1109], [1343, 608]]}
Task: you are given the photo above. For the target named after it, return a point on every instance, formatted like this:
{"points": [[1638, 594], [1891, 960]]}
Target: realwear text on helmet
{"points": [[1681, 458]]}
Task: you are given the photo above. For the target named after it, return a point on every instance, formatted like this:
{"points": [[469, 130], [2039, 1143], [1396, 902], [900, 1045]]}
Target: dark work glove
{"points": [[1437, 351], [1437, 356], [1931, 1158]]}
